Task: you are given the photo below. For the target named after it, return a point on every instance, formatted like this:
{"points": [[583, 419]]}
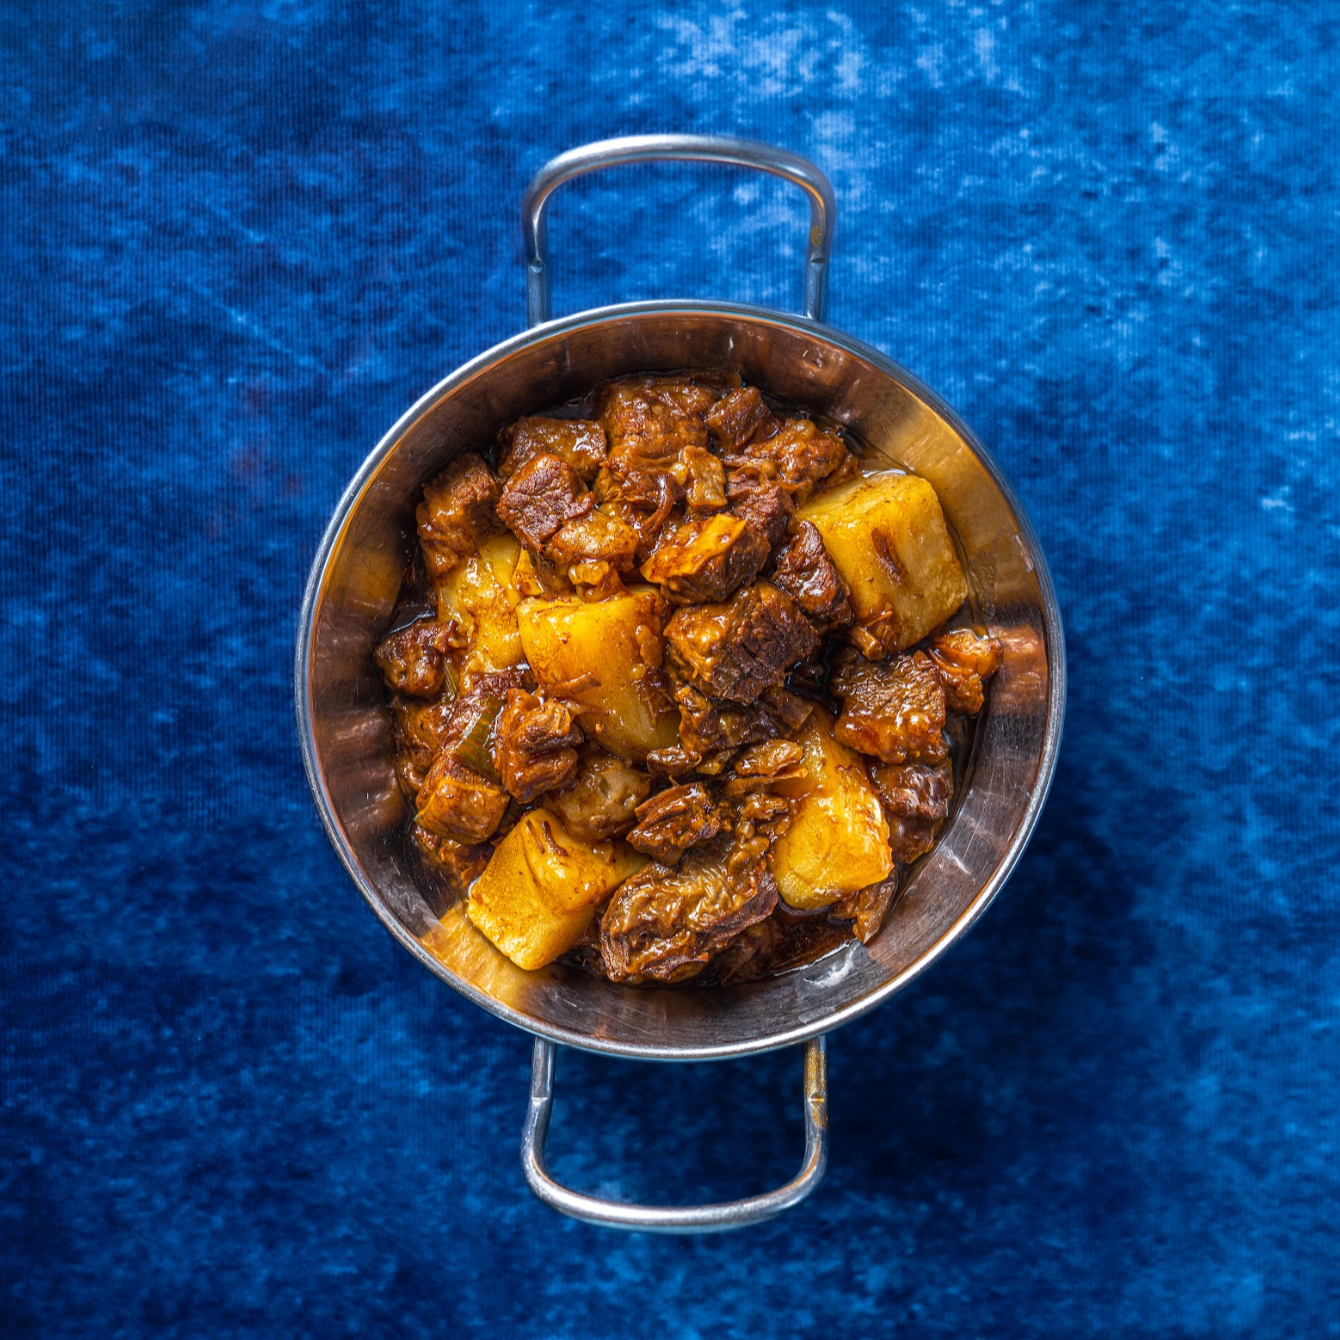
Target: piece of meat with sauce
{"points": [[461, 862], [804, 570], [419, 731], [458, 511], [601, 800], [413, 660], [801, 455], [577, 441], [916, 800], [868, 908], [666, 922], [459, 803], [965, 662], [707, 726], [544, 493], [760, 502], [648, 421], [738, 649], [702, 478], [739, 418], [535, 744], [706, 559], [760, 767], [676, 819], [893, 710], [640, 499]]}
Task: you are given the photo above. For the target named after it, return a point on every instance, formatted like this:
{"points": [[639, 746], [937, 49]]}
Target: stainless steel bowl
{"points": [[355, 579]]}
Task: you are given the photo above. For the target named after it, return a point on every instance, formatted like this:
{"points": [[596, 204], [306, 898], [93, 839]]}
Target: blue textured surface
{"points": [[239, 239]]}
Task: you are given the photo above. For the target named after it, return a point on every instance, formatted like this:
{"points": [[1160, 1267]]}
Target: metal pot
{"points": [[355, 579]]}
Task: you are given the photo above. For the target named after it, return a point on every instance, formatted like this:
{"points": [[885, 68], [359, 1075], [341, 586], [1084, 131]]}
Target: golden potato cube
{"points": [[481, 595], [539, 891], [838, 840], [887, 536], [606, 655]]}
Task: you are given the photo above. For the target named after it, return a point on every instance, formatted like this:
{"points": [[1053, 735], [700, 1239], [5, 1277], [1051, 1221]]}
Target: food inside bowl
{"points": [[679, 683]]}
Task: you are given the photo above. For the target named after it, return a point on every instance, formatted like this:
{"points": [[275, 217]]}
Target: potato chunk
{"points": [[537, 895], [886, 534], [480, 595], [838, 840], [605, 655]]}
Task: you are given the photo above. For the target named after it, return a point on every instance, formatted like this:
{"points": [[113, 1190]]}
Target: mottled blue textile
{"points": [[239, 239]]}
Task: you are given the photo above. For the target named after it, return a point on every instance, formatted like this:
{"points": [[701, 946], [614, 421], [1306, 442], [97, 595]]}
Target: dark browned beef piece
{"points": [[706, 559], [740, 418], [459, 509], [413, 659], [868, 907], [739, 649], [666, 922], [457, 802], [601, 800], [760, 767], [648, 421], [673, 761], [461, 862], [543, 494], [804, 570], [676, 819], [641, 499], [419, 730], [707, 726], [580, 443], [761, 502], [535, 744], [916, 800], [965, 662], [893, 710], [750, 954], [800, 455]]}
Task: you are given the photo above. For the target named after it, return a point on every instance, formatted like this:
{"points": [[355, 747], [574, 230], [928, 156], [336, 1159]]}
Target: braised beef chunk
{"points": [[640, 499], [413, 659], [965, 662], [676, 819], [738, 418], [702, 478], [601, 800], [544, 493], [457, 802], [535, 744], [867, 908], [751, 954], [706, 560], [803, 569], [419, 730], [707, 726], [916, 800], [666, 922], [459, 509], [761, 767], [893, 710], [461, 862], [760, 502], [737, 650], [577, 441], [596, 537], [648, 421], [800, 455]]}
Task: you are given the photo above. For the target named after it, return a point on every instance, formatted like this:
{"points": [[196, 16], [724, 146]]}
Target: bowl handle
{"points": [[675, 148], [664, 1218]]}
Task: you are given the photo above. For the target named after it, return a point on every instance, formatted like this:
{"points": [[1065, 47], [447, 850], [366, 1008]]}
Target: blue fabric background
{"points": [[240, 237]]}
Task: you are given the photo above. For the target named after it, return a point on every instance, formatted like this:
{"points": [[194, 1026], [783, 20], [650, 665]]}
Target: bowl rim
{"points": [[1054, 639]]}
